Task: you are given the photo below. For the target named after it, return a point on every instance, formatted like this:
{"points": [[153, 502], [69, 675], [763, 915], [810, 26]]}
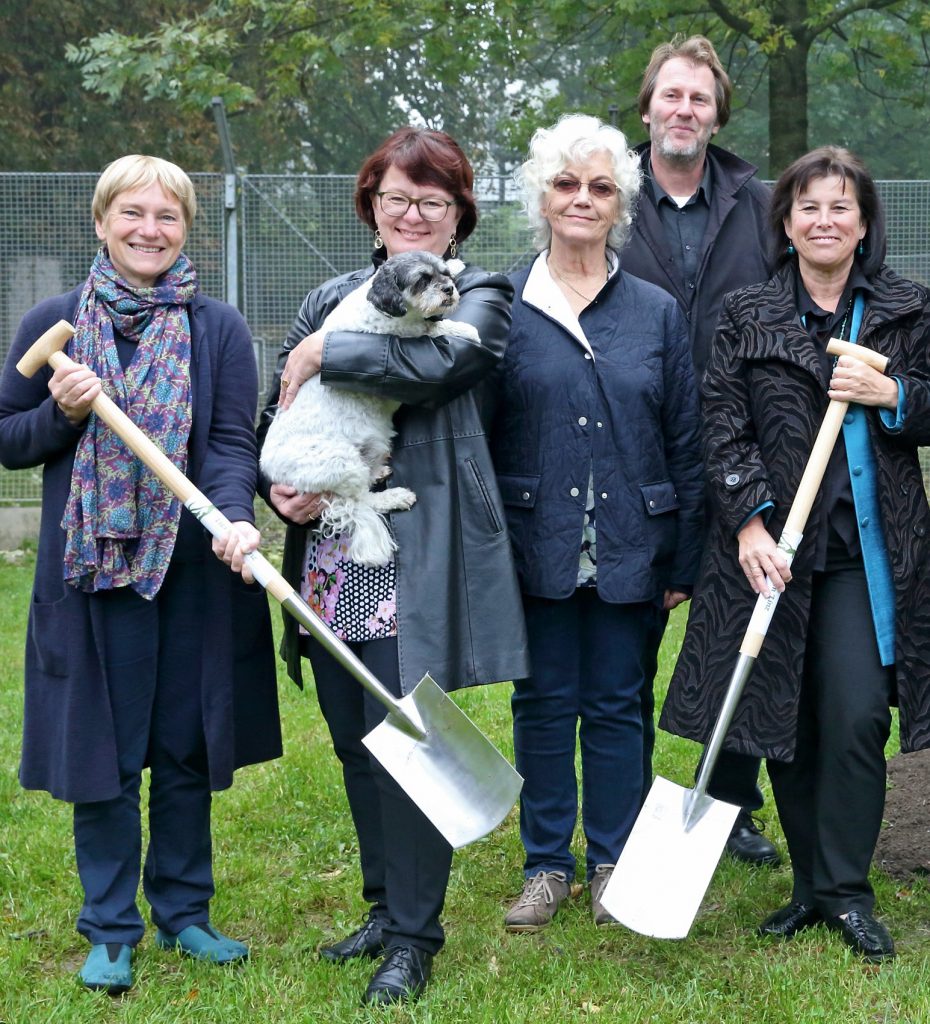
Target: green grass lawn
{"points": [[287, 879]]}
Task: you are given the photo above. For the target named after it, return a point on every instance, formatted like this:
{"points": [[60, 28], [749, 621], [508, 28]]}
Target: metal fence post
{"points": [[230, 203]]}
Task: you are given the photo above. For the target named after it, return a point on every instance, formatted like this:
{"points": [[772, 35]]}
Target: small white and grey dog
{"points": [[337, 443]]}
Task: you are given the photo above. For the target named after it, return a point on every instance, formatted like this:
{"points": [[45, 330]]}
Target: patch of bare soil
{"points": [[903, 849]]}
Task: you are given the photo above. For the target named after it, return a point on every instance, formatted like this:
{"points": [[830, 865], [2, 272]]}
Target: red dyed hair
{"points": [[427, 158]]}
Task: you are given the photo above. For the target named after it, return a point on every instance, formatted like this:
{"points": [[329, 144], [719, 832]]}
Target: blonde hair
{"points": [[138, 172], [573, 139]]}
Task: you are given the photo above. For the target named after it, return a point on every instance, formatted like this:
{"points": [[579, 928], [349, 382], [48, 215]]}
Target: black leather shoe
{"points": [[787, 922], [365, 941], [401, 978], [863, 934], [746, 843]]}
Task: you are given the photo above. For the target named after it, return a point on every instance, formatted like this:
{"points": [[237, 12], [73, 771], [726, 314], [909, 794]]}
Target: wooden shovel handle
{"points": [[48, 349]]}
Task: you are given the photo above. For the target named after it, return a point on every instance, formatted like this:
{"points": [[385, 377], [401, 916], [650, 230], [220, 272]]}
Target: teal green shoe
{"points": [[203, 942], [108, 968]]}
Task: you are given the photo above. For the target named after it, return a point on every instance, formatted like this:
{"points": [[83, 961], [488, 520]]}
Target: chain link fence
{"points": [[295, 232]]}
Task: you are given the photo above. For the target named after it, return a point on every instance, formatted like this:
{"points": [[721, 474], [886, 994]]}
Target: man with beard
{"points": [[700, 231]]}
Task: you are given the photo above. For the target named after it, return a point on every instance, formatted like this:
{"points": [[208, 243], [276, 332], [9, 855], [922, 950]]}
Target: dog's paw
{"points": [[404, 498], [394, 499]]}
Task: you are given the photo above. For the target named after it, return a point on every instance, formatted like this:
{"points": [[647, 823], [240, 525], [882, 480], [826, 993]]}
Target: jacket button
{"points": [[604, 495], [582, 421], [905, 490], [857, 471], [600, 426], [652, 504], [848, 418], [574, 492], [526, 495], [587, 355], [920, 530], [732, 479], [864, 521]]}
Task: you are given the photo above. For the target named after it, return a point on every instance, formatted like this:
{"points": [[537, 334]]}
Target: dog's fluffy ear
{"points": [[385, 293]]}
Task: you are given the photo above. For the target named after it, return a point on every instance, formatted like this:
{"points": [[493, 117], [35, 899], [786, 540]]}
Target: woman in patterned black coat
{"points": [[851, 634]]}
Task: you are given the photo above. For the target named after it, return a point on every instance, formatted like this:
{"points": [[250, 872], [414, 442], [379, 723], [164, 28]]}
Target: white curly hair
{"points": [[572, 140]]}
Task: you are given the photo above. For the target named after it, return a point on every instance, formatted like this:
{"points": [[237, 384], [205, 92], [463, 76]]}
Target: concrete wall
{"points": [[18, 525]]}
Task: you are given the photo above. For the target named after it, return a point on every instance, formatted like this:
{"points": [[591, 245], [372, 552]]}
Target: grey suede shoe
{"points": [[542, 896]]}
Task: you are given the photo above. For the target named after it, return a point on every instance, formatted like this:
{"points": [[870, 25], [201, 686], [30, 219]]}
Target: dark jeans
{"points": [[405, 862], [831, 796], [588, 660], [152, 655]]}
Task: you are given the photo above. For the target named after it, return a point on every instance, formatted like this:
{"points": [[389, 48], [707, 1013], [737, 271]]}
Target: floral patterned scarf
{"points": [[121, 521]]}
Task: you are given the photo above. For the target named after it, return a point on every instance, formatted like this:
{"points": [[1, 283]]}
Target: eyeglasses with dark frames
{"points": [[396, 204], [566, 185]]}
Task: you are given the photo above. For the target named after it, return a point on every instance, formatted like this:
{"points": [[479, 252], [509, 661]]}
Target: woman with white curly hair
{"points": [[597, 452]]}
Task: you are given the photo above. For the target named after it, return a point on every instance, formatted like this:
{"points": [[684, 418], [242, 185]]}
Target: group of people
{"points": [[628, 434]]}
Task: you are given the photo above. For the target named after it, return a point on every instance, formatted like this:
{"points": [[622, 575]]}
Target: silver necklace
{"points": [[843, 327], [568, 284]]}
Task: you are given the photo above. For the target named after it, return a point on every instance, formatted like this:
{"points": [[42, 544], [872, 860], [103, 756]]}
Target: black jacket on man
{"points": [[734, 251]]}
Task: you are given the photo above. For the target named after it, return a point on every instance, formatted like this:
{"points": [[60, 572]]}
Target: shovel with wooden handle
{"points": [[672, 852], [435, 753]]}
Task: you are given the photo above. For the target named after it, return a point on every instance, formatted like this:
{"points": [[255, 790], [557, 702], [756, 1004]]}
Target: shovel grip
{"points": [[48, 349]]}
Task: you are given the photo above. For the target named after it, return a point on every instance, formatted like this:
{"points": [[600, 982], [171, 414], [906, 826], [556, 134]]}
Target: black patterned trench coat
{"points": [[764, 400]]}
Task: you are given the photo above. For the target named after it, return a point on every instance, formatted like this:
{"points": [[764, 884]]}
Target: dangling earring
{"points": [[379, 241], [790, 248], [861, 248], [453, 244]]}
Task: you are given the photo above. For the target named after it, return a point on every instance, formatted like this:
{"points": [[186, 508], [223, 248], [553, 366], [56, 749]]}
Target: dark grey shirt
{"points": [[684, 225]]}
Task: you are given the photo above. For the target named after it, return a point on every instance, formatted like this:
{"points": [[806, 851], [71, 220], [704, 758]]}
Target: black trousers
{"points": [[405, 861], [735, 778], [152, 651], [831, 797]]}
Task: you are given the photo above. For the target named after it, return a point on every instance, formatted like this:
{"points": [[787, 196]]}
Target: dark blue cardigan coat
{"points": [[630, 412], [68, 742]]}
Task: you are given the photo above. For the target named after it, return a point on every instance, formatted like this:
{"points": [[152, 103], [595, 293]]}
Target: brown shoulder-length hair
{"points": [[695, 50], [428, 158], [830, 162]]}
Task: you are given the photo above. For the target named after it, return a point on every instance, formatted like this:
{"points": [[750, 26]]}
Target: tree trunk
{"points": [[787, 105]]}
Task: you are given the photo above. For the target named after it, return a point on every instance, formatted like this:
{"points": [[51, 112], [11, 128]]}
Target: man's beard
{"points": [[683, 156]]}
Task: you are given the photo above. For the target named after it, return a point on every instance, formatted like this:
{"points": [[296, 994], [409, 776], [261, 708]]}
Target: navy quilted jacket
{"points": [[630, 412]]}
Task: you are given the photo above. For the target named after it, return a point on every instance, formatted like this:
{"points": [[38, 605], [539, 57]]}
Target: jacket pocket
{"points": [[518, 491], [659, 498], [49, 635], [487, 498], [661, 503]]}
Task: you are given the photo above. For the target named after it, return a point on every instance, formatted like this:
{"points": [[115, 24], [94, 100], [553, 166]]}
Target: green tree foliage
{"points": [[806, 72], [326, 79], [315, 85], [49, 122]]}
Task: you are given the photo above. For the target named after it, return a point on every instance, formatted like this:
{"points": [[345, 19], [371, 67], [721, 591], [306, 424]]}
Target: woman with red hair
{"points": [[448, 602]]}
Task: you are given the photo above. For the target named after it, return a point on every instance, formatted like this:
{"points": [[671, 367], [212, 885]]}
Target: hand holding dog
{"points": [[305, 361], [298, 506], [242, 539]]}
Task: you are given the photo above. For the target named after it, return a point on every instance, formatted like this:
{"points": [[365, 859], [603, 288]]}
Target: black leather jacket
{"points": [[459, 615]]}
